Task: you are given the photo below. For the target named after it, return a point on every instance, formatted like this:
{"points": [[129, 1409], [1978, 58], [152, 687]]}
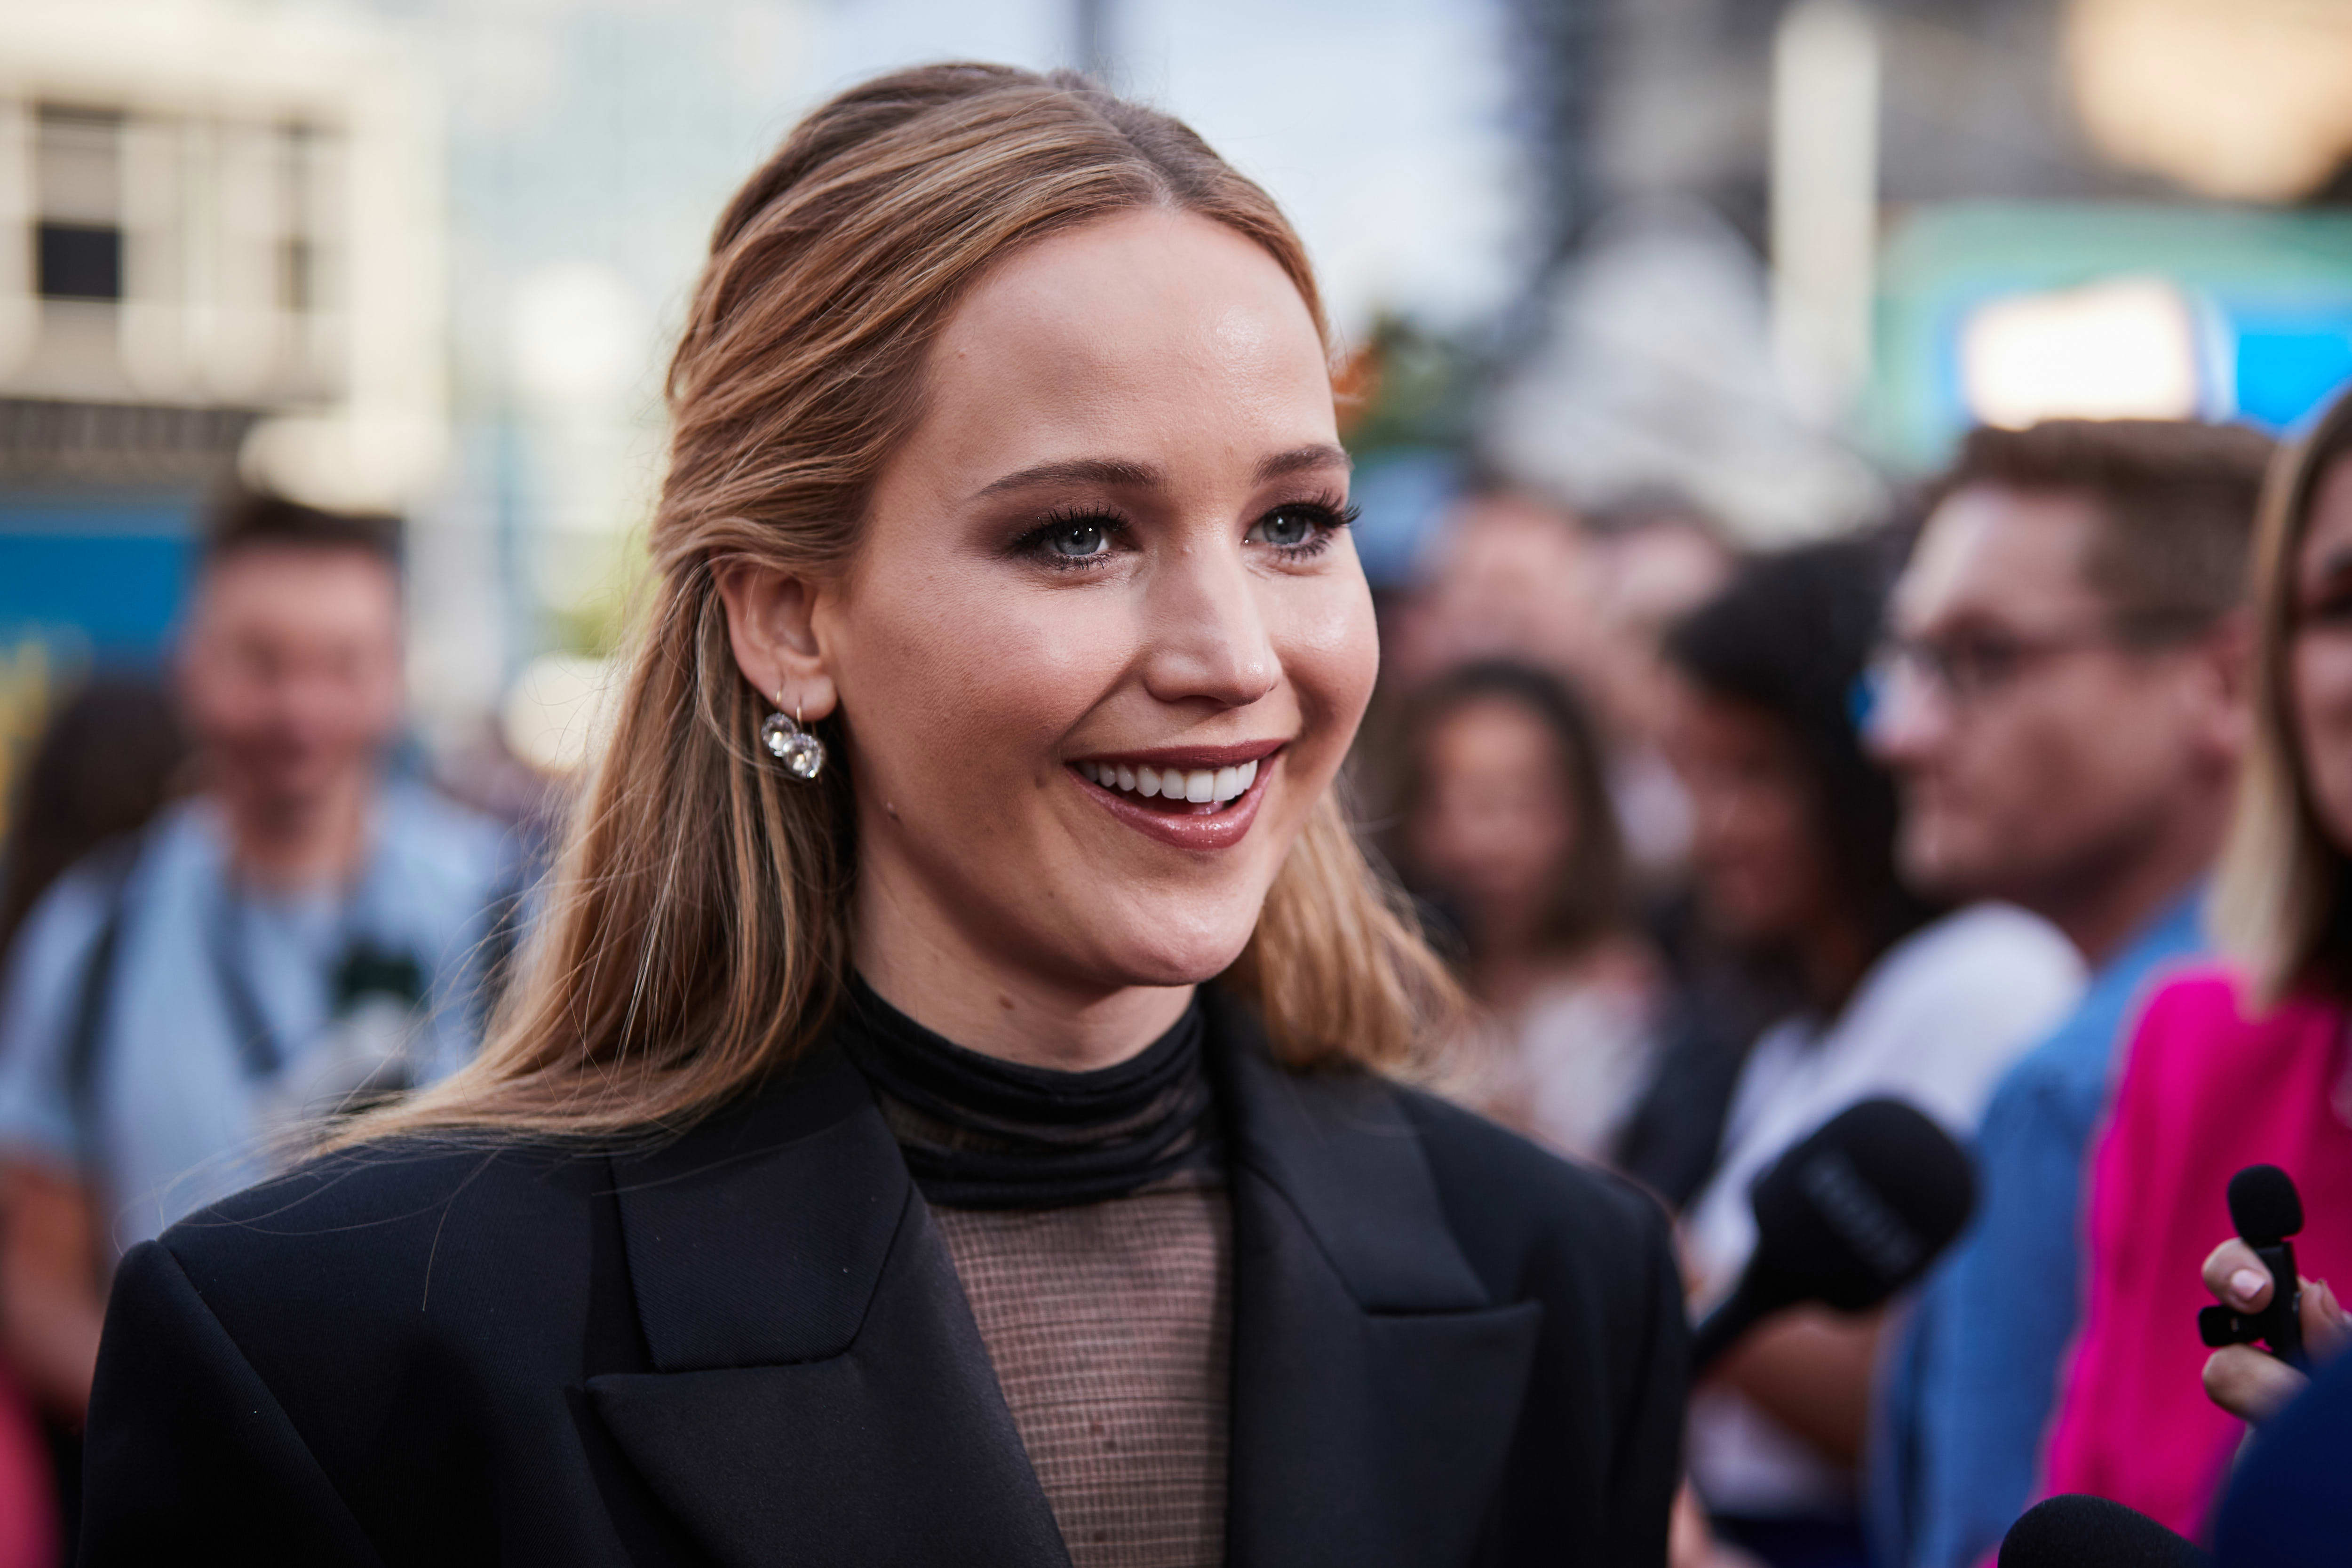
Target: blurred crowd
{"points": [[1723, 845], [2028, 807]]}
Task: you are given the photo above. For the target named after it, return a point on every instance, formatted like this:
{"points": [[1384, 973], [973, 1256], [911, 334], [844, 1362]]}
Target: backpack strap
{"points": [[112, 863], [505, 936]]}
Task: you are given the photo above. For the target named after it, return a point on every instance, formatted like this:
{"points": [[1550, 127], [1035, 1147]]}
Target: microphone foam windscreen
{"points": [[1860, 1208], [2076, 1531], [2264, 1204]]}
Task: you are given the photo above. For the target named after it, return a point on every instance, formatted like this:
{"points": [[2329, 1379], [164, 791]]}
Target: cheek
{"points": [[2010, 749], [2020, 761], [2323, 715], [940, 679], [2322, 682], [230, 704], [1783, 846], [1330, 651]]}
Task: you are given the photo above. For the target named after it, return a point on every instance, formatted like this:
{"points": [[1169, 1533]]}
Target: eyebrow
{"points": [[1298, 459], [1117, 473]]}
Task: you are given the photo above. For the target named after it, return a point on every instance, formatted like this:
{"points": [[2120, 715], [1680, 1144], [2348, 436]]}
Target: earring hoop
{"points": [[802, 754]]}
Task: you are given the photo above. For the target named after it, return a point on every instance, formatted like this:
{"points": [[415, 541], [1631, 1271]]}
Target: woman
{"points": [[105, 762], [1793, 850], [2235, 1066], [1507, 828], [864, 1170]]}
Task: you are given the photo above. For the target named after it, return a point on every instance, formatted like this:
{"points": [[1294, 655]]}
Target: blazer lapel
{"points": [[1376, 1385], [821, 1393]]}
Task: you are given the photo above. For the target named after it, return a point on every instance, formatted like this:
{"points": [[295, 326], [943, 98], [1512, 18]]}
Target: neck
{"points": [[2101, 911], [932, 972], [283, 843], [1830, 961], [1505, 978]]}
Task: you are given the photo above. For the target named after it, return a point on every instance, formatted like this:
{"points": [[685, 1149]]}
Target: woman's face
{"points": [[2321, 659], [1106, 639], [1762, 873], [1496, 821]]}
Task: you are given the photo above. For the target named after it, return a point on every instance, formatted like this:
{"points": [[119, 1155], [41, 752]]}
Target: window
{"points": [[77, 173], [79, 261]]}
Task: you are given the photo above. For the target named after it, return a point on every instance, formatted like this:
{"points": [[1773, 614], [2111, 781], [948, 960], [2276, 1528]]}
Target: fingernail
{"points": [[2246, 1283]]}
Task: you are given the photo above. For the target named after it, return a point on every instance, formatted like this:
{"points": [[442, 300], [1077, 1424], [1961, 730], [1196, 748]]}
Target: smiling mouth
{"points": [[1173, 791], [1194, 798]]}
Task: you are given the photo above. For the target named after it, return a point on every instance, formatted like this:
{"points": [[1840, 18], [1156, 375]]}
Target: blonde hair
{"points": [[2283, 901], [696, 937]]}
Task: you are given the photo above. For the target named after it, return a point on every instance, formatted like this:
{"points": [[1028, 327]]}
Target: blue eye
{"points": [[1302, 528], [1073, 540], [1288, 529], [1077, 540]]}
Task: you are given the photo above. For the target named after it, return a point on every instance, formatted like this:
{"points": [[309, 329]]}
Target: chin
{"points": [[1146, 954], [2332, 803], [1956, 872], [1932, 862]]}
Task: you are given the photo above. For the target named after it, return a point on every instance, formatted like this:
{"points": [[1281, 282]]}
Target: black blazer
{"points": [[748, 1346]]}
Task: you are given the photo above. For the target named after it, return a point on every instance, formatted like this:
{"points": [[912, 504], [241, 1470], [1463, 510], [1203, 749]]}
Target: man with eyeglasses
{"points": [[2060, 694]]}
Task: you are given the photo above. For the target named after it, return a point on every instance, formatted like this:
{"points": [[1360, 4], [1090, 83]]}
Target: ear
{"points": [[771, 627], [2227, 656]]}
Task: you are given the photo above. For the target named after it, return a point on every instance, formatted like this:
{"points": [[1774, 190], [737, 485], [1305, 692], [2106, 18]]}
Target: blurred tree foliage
{"points": [[1408, 386], [599, 624]]}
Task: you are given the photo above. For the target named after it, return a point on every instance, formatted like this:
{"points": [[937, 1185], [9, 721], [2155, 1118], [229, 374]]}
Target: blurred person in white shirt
{"points": [[1793, 852]]}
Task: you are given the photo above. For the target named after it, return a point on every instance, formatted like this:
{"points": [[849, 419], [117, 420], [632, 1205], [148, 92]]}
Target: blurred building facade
{"points": [[219, 242], [407, 254], [1800, 245], [1773, 254]]}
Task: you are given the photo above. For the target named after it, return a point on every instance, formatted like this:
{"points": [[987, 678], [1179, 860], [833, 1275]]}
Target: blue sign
{"points": [[105, 571]]}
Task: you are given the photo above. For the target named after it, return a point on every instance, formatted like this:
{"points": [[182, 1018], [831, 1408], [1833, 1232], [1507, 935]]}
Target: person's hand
{"points": [[2250, 1384], [1691, 1544]]}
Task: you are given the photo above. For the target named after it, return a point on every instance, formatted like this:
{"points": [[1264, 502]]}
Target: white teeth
{"points": [[1199, 786]]}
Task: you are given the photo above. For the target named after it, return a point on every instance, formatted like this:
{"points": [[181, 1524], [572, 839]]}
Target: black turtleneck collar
{"points": [[983, 1133]]}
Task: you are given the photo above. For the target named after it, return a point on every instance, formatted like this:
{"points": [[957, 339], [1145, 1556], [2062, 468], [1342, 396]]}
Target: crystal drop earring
{"points": [[802, 754]]}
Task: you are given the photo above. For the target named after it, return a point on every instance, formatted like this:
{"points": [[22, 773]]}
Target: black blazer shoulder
{"points": [[1519, 1212], [747, 1345], [1535, 1226]]}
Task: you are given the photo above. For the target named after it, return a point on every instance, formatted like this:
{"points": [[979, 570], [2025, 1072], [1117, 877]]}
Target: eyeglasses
{"points": [[1965, 669]]}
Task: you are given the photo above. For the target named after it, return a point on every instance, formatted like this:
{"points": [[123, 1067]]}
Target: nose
{"points": [[1905, 720], [1210, 640]]}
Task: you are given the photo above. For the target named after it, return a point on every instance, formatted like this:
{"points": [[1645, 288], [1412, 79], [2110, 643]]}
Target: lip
{"points": [[1216, 830], [1191, 757]]}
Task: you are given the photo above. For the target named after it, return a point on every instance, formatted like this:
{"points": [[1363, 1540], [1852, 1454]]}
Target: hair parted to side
{"points": [[2282, 898], [2175, 499], [697, 934], [248, 522]]}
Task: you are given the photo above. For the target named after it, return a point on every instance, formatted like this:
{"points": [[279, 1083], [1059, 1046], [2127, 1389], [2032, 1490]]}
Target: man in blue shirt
{"points": [[299, 932], [2062, 700]]}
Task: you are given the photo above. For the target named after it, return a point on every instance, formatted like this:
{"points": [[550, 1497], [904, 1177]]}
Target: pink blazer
{"points": [[2206, 1090], [28, 1523]]}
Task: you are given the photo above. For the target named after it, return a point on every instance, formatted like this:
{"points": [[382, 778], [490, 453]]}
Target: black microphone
{"points": [[2077, 1531], [1847, 1217], [2266, 1210]]}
